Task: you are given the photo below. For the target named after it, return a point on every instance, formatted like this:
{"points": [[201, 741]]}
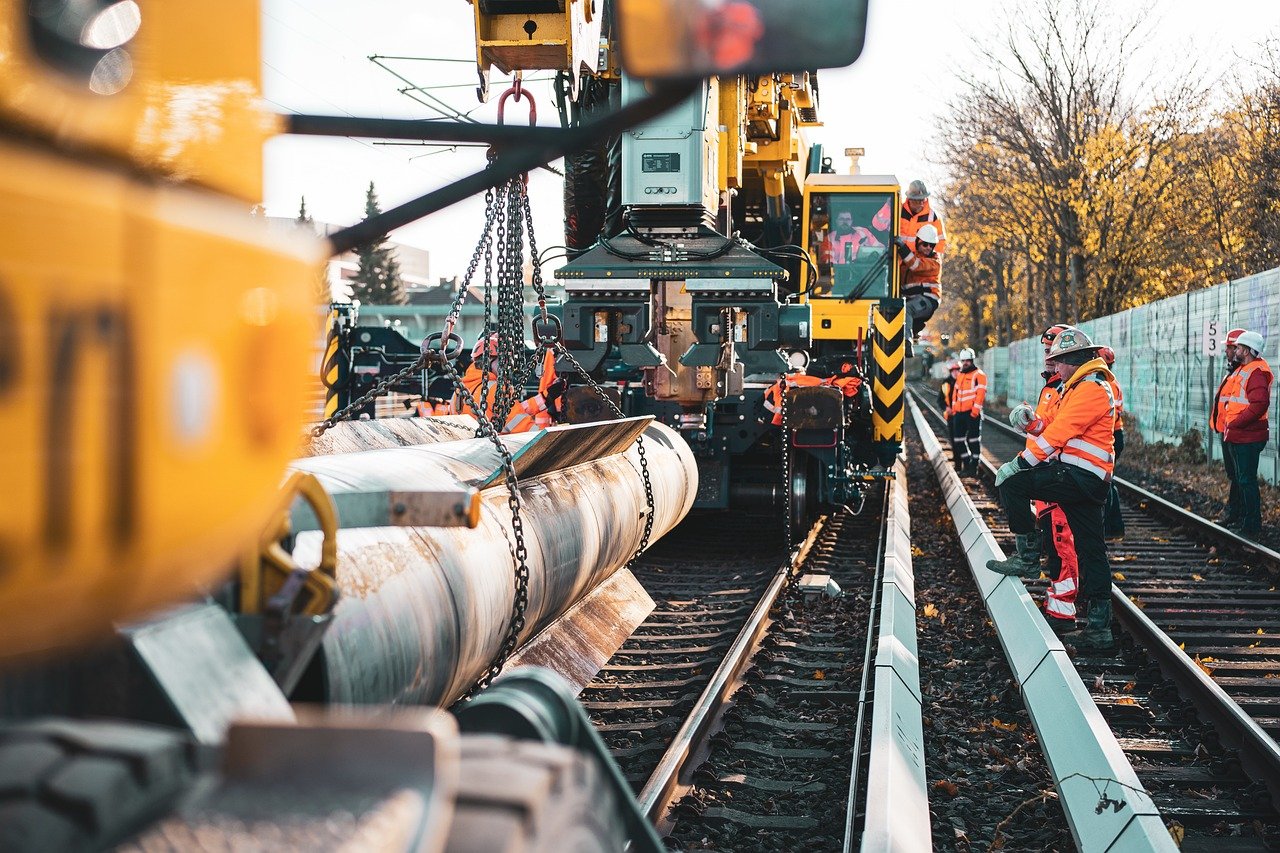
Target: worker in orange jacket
{"points": [[482, 383], [1070, 463], [968, 397], [1113, 519], [921, 275], [1240, 415], [916, 213], [1057, 543]]}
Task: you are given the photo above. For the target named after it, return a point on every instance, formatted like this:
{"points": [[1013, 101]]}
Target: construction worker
{"points": [[846, 240], [917, 213], [1070, 463], [921, 276], [967, 398], [1240, 415], [946, 393], [481, 381], [1113, 519], [1057, 543]]}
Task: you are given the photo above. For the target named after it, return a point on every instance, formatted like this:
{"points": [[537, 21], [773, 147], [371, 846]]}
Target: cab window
{"points": [[849, 237]]}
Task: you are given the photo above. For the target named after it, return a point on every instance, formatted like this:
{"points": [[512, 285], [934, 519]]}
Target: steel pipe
{"points": [[425, 610]]}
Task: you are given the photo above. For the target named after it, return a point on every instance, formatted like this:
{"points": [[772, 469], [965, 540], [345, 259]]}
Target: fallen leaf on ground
{"points": [[819, 675], [1119, 576], [916, 552], [1126, 700], [947, 787], [1007, 727], [1196, 577], [1260, 631], [1177, 833], [1128, 688], [1207, 670], [930, 611]]}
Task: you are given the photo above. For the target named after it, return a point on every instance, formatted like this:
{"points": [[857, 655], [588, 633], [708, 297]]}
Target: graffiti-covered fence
{"points": [[1169, 358]]}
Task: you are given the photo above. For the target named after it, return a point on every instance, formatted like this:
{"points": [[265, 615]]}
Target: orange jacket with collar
{"points": [[1082, 432], [970, 392], [921, 274], [1241, 403], [909, 223]]}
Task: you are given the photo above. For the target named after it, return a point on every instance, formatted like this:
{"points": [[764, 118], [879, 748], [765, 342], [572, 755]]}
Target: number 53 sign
{"points": [[1214, 338]]}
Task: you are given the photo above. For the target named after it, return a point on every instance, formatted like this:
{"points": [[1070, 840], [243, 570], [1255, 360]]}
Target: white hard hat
{"points": [[966, 354], [927, 234], [917, 191], [1252, 340], [1069, 340]]}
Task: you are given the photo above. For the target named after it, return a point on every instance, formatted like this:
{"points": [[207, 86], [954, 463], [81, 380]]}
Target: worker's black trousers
{"points": [[1081, 496], [967, 436]]}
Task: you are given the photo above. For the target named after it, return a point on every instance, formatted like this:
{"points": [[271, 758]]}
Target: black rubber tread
{"points": [[72, 785], [525, 797]]}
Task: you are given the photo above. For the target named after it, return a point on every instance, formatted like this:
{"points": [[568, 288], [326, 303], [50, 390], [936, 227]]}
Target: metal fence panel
{"points": [[1168, 378]]}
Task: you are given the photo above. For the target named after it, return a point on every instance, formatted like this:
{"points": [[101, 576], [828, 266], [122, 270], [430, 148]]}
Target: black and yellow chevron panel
{"points": [[888, 385], [331, 370]]}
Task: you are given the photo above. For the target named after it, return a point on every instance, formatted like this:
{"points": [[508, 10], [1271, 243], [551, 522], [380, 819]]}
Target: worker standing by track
{"points": [[966, 407], [1058, 545], [1240, 415], [1070, 463], [946, 393], [1113, 519]]}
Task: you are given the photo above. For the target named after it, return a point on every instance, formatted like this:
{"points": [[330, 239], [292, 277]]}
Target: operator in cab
{"points": [[481, 382], [846, 241], [1070, 463]]}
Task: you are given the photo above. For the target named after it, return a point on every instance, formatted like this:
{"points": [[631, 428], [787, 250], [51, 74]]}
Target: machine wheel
{"points": [[803, 483], [521, 796], [70, 785]]}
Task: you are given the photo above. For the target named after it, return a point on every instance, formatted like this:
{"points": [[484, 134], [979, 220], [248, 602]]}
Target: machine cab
{"points": [[849, 225]]}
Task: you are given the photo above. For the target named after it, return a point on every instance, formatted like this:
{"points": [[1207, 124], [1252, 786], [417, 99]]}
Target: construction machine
{"points": [[699, 270], [213, 633]]}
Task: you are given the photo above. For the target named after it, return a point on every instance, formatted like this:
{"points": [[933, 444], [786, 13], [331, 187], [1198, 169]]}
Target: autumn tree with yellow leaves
{"points": [[1082, 183]]}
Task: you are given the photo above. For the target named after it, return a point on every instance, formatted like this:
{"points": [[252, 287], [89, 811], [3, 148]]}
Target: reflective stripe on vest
{"points": [[1083, 454]]}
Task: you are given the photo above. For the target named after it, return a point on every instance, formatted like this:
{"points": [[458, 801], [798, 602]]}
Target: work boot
{"points": [[1096, 637], [1024, 562]]}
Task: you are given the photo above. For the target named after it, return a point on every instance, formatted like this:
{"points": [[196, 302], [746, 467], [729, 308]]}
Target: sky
{"points": [[315, 60]]}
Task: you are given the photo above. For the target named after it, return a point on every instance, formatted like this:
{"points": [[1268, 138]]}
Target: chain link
{"points": [[382, 387], [787, 525]]}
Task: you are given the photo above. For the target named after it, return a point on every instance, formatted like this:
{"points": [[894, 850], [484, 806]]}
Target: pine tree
{"points": [[304, 218], [377, 280]]}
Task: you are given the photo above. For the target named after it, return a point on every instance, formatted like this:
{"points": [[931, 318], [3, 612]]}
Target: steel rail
{"points": [[851, 805], [665, 779], [1259, 753]]}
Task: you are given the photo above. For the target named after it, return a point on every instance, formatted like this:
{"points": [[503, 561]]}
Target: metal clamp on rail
{"points": [[1089, 768]]}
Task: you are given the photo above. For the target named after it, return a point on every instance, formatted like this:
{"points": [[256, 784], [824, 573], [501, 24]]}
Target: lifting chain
{"points": [[378, 390], [793, 573], [556, 344]]}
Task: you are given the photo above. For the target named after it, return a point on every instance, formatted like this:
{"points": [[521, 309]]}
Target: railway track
{"points": [[742, 711], [1178, 587]]}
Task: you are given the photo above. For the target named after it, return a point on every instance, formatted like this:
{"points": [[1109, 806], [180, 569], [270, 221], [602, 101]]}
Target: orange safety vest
{"points": [[1119, 395], [909, 224], [970, 392], [1233, 396], [773, 394], [427, 409], [524, 415], [921, 274], [844, 248], [1082, 432], [1046, 405]]}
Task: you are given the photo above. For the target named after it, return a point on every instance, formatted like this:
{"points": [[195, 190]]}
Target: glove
{"points": [[946, 413], [1036, 426], [977, 411], [554, 396], [1007, 470], [1021, 415], [902, 245]]}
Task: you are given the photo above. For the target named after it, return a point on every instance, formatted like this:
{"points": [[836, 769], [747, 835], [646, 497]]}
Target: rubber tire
{"points": [[520, 796], [73, 785]]}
